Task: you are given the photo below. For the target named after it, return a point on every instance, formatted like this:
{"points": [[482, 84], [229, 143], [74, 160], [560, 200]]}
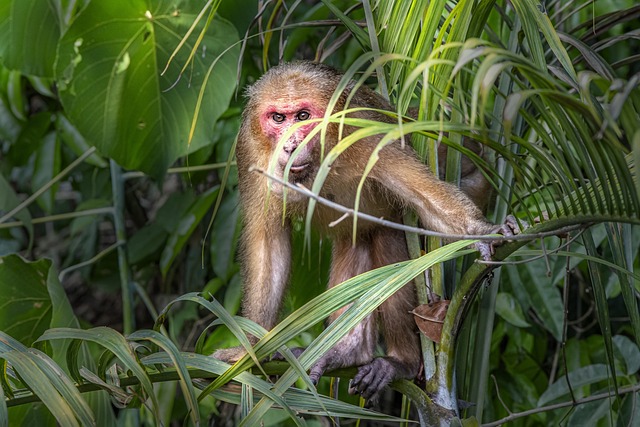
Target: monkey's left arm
{"points": [[440, 205]]}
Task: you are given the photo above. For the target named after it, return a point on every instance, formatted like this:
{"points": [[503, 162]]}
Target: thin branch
{"points": [[96, 258], [59, 217], [48, 185], [545, 254], [595, 397], [396, 226], [565, 322], [504, 405], [182, 169]]}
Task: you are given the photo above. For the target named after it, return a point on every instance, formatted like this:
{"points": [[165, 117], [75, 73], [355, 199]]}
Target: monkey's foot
{"points": [[332, 360], [229, 355], [372, 378]]}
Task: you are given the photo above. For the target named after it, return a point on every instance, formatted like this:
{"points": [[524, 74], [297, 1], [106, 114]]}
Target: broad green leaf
{"points": [[185, 228], [30, 139], [16, 95], [63, 316], [108, 70], [116, 344], [76, 142], [145, 243], [30, 43], [35, 414], [629, 410], [522, 390], [8, 201], [10, 126], [47, 166], [591, 413], [545, 300], [25, 307], [509, 309], [583, 376], [5, 14], [233, 294], [629, 352], [4, 415], [26, 312], [185, 379], [28, 369], [48, 381], [577, 354], [224, 236], [175, 208]]}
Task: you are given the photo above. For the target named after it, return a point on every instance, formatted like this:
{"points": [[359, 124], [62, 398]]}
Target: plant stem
{"points": [[117, 187]]}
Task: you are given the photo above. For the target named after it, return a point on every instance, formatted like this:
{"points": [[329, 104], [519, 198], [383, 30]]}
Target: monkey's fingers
{"points": [[514, 225], [510, 227], [486, 249], [318, 369]]}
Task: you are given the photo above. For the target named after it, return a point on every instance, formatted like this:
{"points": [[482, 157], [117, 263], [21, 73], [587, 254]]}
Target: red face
{"points": [[276, 119]]}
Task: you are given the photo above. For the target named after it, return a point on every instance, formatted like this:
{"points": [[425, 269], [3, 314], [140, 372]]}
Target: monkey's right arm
{"points": [[265, 249]]}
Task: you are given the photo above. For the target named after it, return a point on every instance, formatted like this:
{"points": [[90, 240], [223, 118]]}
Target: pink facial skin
{"points": [[276, 121]]}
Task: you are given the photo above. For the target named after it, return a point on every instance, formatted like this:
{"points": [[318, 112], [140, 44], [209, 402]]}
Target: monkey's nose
{"points": [[290, 147]]}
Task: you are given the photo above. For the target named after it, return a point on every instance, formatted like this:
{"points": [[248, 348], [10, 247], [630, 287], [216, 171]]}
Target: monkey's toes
{"points": [[317, 370], [372, 378]]}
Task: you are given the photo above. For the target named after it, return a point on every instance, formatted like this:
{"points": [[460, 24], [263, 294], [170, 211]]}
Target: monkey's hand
{"points": [[509, 228], [229, 355]]}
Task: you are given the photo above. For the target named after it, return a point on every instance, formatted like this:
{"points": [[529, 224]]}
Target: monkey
{"points": [[298, 93]]}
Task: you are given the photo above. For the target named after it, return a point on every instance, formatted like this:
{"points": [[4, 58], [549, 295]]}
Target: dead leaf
{"points": [[430, 317]]}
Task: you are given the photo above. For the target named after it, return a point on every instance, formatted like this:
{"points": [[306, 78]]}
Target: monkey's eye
{"points": [[303, 115], [278, 118]]}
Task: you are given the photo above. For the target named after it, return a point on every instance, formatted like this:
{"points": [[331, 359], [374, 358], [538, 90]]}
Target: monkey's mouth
{"points": [[296, 169]]}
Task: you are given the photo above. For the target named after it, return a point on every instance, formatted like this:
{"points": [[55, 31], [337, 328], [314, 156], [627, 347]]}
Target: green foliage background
{"points": [[119, 213]]}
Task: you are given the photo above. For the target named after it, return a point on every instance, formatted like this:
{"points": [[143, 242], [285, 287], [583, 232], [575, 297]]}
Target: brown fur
{"points": [[397, 181]]}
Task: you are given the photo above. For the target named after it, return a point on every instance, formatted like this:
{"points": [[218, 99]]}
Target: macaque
{"points": [[299, 92]]}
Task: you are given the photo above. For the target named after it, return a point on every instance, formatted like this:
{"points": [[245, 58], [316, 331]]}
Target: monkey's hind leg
{"points": [[403, 356], [357, 346]]}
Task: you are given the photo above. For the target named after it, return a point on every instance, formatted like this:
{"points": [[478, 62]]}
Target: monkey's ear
{"points": [[249, 90], [430, 318]]}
